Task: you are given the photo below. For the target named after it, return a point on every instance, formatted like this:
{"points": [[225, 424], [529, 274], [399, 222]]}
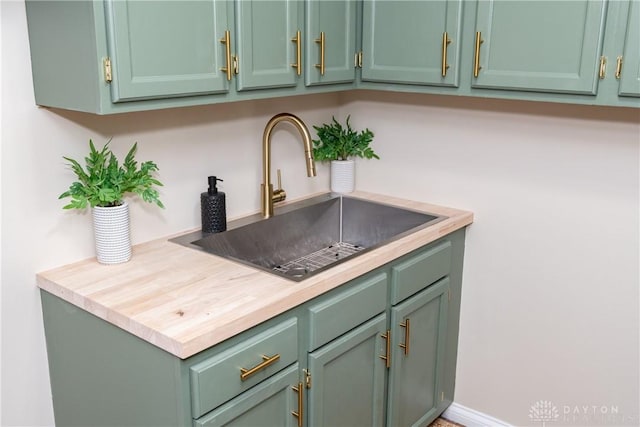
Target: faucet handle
{"points": [[279, 194]]}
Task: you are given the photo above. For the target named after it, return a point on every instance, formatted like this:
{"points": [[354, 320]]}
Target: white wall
{"points": [[550, 304], [550, 294]]}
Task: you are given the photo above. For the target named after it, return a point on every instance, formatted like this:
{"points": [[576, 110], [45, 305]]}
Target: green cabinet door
{"points": [[330, 42], [162, 49], [630, 72], [348, 378], [271, 403], [265, 30], [545, 46], [419, 329], [402, 41]]}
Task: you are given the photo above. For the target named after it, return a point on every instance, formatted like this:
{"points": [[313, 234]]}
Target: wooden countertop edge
{"points": [[183, 337]]}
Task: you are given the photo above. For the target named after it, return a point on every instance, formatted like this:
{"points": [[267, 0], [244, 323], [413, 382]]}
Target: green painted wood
{"points": [[402, 41], [337, 19], [104, 376], [630, 76], [415, 380], [333, 316], [416, 272], [269, 404], [540, 45], [166, 48], [264, 29], [348, 379], [208, 376]]}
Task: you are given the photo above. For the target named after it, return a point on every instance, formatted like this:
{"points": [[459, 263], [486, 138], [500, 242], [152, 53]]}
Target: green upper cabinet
{"points": [[149, 59], [545, 46], [265, 43], [330, 42], [629, 69], [413, 42]]}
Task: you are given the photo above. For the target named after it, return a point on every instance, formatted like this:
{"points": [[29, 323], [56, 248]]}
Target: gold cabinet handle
{"points": [[300, 413], [266, 361], [226, 40], [387, 355], [445, 43], [476, 58], [298, 42], [321, 41], [618, 67], [407, 333], [603, 67]]}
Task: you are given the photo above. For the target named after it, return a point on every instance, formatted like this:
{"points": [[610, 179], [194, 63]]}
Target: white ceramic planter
{"points": [[111, 231], [343, 176]]}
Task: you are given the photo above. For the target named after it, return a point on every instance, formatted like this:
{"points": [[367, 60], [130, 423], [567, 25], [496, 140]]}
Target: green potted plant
{"points": [[340, 144], [102, 185]]}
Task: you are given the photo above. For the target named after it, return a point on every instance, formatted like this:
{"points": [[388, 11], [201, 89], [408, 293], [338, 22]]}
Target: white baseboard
{"points": [[471, 418]]}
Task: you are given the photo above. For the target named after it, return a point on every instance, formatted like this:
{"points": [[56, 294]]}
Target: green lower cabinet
{"points": [[274, 402], [419, 331], [348, 379], [543, 46]]}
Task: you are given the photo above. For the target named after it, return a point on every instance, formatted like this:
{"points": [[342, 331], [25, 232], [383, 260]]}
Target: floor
{"points": [[441, 422]]}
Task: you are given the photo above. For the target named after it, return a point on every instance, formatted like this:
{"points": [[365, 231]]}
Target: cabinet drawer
{"points": [[419, 271], [218, 379], [344, 311]]}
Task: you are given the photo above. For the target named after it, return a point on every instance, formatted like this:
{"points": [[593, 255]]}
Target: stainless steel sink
{"points": [[308, 237]]}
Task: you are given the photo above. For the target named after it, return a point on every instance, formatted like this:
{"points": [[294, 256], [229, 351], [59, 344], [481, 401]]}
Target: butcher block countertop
{"points": [[185, 301]]}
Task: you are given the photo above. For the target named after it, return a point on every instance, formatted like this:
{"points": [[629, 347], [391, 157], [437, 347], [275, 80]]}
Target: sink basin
{"points": [[308, 237]]}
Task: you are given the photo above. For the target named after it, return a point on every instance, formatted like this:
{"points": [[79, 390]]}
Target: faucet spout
{"points": [[268, 196]]}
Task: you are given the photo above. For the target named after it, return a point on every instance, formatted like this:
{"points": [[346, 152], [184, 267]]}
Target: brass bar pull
{"points": [[387, 356], [618, 67], [360, 59], [267, 361], [407, 334], [321, 41], [445, 43], [298, 41], [603, 67], [300, 414], [226, 40], [476, 58]]}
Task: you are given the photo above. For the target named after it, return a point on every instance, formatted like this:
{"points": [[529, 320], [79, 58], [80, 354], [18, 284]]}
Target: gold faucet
{"points": [[268, 195]]}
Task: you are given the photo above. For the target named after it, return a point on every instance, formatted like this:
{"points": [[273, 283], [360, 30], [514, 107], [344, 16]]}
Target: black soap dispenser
{"points": [[213, 207]]}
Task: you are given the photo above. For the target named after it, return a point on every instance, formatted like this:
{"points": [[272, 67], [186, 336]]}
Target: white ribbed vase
{"points": [[111, 231], [343, 176]]}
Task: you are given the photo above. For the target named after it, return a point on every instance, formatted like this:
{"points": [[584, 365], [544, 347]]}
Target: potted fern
{"points": [[340, 144], [102, 185]]}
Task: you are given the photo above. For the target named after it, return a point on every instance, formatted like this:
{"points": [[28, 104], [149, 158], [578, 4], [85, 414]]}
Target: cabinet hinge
{"points": [[106, 62], [357, 61], [307, 378]]}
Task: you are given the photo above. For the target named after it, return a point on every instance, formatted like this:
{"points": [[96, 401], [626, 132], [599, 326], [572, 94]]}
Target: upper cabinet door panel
{"points": [[403, 41], [265, 49], [546, 46], [630, 75], [162, 49], [337, 21]]}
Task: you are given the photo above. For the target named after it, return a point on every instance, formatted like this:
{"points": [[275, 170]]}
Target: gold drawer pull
{"points": [[321, 42], [407, 334], [226, 41], [266, 361], [298, 65]]}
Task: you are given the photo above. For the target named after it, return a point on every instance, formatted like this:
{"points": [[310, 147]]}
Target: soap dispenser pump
{"points": [[213, 207]]}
